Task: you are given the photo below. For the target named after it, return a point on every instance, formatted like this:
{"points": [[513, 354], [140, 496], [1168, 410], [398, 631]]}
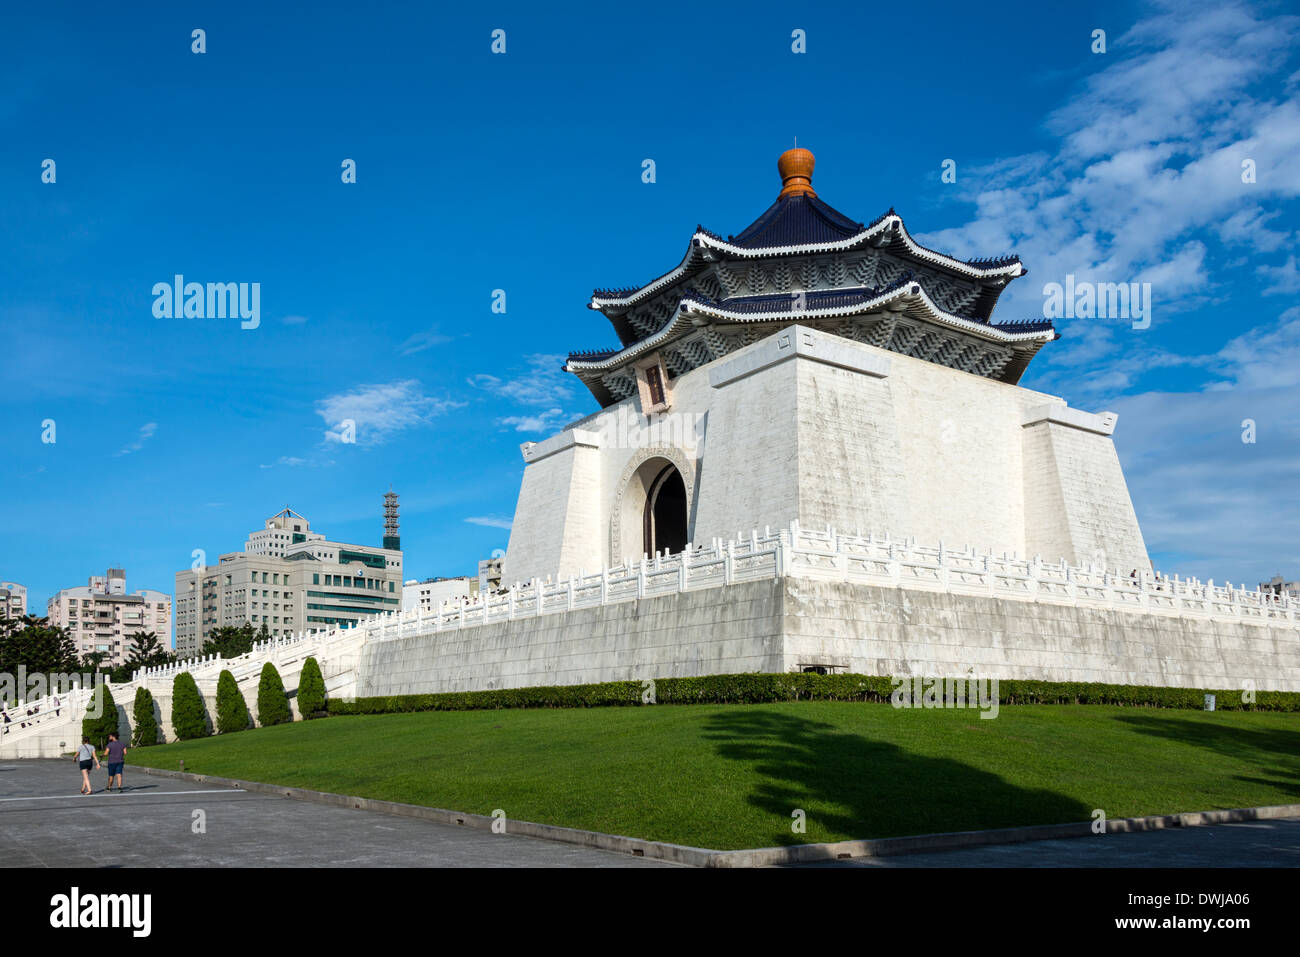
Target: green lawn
{"points": [[729, 776]]}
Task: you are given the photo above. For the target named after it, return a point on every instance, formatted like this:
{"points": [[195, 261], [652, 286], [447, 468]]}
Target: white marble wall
{"points": [[811, 426], [712, 631], [785, 624]]}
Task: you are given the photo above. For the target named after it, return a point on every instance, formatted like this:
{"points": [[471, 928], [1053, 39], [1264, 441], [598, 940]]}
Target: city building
{"points": [[13, 600], [432, 592], [489, 575], [288, 579], [102, 617], [1279, 586]]}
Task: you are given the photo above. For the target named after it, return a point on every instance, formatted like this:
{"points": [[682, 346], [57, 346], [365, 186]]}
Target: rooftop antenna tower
{"points": [[391, 538]]}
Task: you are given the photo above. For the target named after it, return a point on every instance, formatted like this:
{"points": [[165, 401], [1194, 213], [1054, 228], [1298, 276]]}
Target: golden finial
{"points": [[796, 168]]}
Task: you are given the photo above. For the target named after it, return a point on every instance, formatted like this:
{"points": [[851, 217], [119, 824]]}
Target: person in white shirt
{"points": [[86, 759]]}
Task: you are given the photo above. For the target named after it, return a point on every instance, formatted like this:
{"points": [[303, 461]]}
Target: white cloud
{"points": [[1150, 153], [146, 432], [379, 411], [546, 421], [543, 383], [491, 521], [1211, 504], [423, 340], [1281, 279]]}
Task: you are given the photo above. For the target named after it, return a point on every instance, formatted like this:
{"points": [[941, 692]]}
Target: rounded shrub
{"points": [[146, 722], [189, 716], [101, 718], [311, 690], [232, 710], [272, 703]]}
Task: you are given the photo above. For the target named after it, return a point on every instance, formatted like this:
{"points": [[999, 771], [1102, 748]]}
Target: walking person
{"points": [[115, 755], [85, 759]]}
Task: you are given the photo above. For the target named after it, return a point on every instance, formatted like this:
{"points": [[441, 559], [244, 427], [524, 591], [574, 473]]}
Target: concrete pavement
{"points": [[44, 822]]}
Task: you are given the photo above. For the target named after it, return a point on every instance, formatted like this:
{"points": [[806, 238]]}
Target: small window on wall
{"points": [[655, 381], [652, 385]]}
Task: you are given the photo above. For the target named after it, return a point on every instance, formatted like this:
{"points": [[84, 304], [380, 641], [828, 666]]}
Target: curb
{"points": [[754, 857]]}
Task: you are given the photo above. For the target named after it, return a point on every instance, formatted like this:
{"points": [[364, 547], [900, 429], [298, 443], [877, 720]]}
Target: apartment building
{"points": [[288, 579], [13, 600], [1281, 587], [432, 592], [102, 617]]}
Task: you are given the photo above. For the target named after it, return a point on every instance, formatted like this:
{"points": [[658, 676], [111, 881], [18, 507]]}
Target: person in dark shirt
{"points": [[115, 756]]}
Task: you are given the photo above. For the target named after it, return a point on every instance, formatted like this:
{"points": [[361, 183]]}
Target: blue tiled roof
{"points": [[622, 293], [796, 221], [817, 299], [1023, 325], [782, 303], [847, 298], [594, 355]]}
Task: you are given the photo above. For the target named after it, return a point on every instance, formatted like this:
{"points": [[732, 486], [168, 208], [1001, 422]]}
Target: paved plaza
{"points": [[44, 822], [1273, 843]]}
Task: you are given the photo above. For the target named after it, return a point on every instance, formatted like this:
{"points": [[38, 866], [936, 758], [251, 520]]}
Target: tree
{"points": [[229, 642], [120, 675], [101, 718], [311, 689], [36, 646], [232, 711], [189, 716], [146, 652], [146, 722], [272, 703]]}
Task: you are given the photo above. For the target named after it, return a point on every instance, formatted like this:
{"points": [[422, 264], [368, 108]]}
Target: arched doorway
{"points": [[664, 524], [658, 481]]}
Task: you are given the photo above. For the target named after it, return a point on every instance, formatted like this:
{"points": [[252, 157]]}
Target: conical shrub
{"points": [[189, 716], [272, 703], [146, 722], [232, 710], [101, 717], [311, 690]]}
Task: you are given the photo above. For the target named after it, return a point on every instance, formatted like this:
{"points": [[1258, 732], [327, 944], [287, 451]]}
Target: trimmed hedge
{"points": [[311, 690], [99, 728], [272, 703], [764, 688], [232, 710], [146, 722], [189, 714]]}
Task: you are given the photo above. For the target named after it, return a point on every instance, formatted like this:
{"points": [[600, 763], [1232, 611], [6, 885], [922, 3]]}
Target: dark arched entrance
{"points": [[665, 513]]}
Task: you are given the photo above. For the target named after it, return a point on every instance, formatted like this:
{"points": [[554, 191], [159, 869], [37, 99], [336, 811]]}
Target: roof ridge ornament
{"points": [[796, 169]]}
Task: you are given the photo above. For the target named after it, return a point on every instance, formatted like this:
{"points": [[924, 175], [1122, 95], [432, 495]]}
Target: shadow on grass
{"points": [[852, 787], [1272, 750]]}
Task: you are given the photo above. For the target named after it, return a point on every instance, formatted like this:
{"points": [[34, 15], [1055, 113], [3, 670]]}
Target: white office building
{"points": [[288, 579], [432, 592]]}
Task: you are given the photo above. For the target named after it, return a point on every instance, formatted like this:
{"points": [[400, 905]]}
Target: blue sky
{"points": [[522, 172]]}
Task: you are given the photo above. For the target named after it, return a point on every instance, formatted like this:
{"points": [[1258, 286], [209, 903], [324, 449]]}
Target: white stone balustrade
{"points": [[792, 552], [829, 554]]}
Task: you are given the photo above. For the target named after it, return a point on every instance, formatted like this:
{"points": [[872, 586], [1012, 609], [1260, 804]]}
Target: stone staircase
{"points": [[53, 726]]}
